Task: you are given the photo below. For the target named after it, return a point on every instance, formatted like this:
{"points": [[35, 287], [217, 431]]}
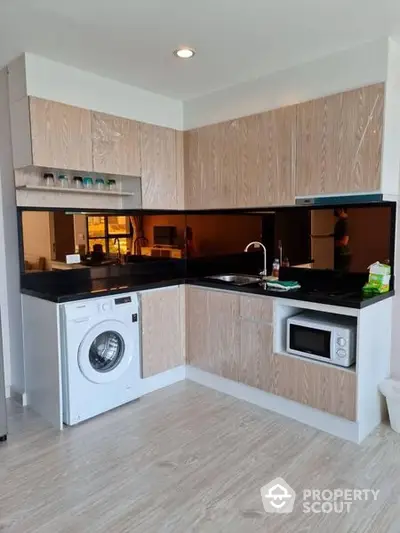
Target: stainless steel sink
{"points": [[236, 279]]}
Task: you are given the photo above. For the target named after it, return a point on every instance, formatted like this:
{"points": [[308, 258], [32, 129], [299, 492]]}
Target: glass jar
{"points": [[78, 184], [100, 184], [63, 181], [87, 182], [48, 179], [112, 185]]}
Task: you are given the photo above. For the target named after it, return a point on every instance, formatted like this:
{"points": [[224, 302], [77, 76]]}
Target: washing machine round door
{"points": [[105, 352]]}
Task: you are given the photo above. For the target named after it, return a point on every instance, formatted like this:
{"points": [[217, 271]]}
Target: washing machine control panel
{"points": [[123, 300], [106, 306]]}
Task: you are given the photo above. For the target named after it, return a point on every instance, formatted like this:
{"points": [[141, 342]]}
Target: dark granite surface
{"points": [[324, 287], [101, 287], [353, 299]]}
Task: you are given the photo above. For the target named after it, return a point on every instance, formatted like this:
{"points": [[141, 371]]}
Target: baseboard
{"points": [[339, 427], [18, 397], [164, 379]]}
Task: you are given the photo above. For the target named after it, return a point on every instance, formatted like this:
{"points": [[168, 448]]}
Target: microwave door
{"points": [[311, 341]]}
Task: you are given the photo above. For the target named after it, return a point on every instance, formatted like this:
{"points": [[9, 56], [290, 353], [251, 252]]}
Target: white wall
{"points": [[55, 81], [10, 300], [391, 132], [349, 69]]}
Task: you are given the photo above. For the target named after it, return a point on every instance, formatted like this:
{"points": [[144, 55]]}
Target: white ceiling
{"points": [[236, 40]]}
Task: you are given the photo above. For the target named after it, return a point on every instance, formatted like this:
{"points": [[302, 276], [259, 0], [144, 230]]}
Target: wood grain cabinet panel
{"points": [[60, 135], [162, 323], [231, 335], [193, 187], [162, 155], [213, 332], [339, 142], [211, 166], [116, 145], [266, 158], [324, 387], [255, 354], [247, 162], [257, 308]]}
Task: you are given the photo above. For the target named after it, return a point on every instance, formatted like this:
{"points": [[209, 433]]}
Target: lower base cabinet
{"points": [[255, 354], [213, 342], [323, 387], [162, 325], [231, 335]]}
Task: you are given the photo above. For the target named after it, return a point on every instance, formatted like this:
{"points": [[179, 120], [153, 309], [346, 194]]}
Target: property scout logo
{"points": [[279, 497]]}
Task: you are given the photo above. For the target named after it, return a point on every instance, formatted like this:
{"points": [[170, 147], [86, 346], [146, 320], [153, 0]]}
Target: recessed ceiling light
{"points": [[184, 53]]}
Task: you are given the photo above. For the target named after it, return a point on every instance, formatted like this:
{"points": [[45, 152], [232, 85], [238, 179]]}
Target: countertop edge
{"points": [[43, 295], [294, 295], [198, 282]]}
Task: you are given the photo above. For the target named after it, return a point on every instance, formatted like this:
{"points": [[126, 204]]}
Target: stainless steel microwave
{"points": [[322, 336]]}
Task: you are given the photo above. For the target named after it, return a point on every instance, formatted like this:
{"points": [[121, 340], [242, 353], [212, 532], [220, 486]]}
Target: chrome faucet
{"points": [[258, 244]]}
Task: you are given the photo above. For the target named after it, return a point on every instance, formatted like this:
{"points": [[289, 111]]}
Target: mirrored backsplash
{"points": [[334, 239]]}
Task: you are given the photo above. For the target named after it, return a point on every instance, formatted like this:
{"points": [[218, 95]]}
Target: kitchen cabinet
{"points": [[247, 162], [323, 387], [51, 134], [116, 145], [231, 335], [162, 167], [211, 166], [256, 308], [255, 354], [256, 341], [162, 323], [266, 162], [339, 143], [213, 335]]}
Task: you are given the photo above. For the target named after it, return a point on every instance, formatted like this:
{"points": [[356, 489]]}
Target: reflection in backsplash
{"points": [[299, 236]]}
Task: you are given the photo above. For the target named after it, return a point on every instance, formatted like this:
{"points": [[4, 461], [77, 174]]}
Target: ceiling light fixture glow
{"points": [[184, 53]]}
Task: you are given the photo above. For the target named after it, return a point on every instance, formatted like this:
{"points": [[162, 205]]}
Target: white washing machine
{"points": [[101, 355]]}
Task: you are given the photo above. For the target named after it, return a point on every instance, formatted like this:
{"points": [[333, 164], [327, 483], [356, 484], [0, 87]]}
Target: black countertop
{"points": [[92, 288], [351, 299]]}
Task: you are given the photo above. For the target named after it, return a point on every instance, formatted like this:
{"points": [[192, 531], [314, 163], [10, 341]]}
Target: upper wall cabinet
{"points": [[266, 148], [248, 162], [116, 145], [339, 143], [211, 166], [162, 167], [50, 134]]}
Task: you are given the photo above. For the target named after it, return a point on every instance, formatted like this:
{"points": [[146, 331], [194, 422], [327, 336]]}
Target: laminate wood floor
{"points": [[187, 459]]}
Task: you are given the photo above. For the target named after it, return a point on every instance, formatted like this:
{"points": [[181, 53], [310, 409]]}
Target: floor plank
{"points": [[187, 459]]}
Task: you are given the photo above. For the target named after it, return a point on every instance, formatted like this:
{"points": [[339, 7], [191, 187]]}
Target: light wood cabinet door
{"points": [[162, 179], [193, 186], [247, 162], [116, 145], [213, 341], [266, 158], [257, 308], [162, 320], [60, 135], [211, 166], [339, 142], [323, 387], [255, 354]]}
